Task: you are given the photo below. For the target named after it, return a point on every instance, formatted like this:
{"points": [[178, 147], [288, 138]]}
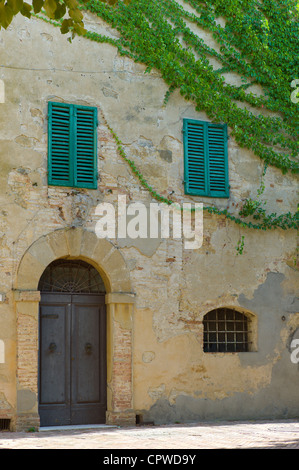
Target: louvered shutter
{"points": [[206, 166], [72, 145], [59, 144], [217, 160], [195, 174], [85, 167]]}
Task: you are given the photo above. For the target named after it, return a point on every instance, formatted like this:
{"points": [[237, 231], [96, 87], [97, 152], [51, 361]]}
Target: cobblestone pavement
{"points": [[204, 435]]}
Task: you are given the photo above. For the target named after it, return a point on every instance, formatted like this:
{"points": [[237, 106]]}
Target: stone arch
{"points": [[74, 243]]}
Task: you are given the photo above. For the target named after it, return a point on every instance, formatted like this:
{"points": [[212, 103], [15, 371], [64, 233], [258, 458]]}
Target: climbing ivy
{"points": [[257, 39], [150, 30]]}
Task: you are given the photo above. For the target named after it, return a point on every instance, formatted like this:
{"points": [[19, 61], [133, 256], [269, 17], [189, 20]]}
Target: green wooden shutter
{"points": [[194, 143], [217, 160], [86, 145], [205, 164], [59, 144], [72, 145]]}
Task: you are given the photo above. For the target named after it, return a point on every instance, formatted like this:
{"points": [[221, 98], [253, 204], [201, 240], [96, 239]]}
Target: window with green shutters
{"points": [[72, 145], [206, 161]]}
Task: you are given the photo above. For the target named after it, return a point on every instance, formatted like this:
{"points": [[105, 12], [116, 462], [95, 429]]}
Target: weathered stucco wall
{"points": [[173, 379]]}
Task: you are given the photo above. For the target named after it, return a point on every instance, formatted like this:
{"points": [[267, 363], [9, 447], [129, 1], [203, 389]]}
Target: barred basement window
{"points": [[226, 330], [4, 424]]}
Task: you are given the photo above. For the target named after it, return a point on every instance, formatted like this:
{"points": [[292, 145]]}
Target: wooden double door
{"points": [[72, 359]]}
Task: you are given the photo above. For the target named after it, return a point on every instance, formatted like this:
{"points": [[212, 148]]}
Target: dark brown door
{"points": [[72, 359]]}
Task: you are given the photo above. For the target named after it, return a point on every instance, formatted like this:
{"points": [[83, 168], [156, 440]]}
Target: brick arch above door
{"points": [[74, 243]]}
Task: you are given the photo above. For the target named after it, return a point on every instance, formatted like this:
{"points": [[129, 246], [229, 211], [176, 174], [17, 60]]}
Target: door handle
{"points": [[52, 347], [88, 348]]}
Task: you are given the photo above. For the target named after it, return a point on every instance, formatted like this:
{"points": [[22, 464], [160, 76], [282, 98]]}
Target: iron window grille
{"points": [[4, 424], [71, 276], [226, 330]]}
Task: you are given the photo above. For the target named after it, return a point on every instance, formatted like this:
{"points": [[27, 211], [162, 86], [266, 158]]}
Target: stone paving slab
{"points": [[204, 435]]}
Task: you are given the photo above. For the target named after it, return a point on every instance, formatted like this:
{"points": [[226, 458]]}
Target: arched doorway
{"points": [[72, 345], [73, 244]]}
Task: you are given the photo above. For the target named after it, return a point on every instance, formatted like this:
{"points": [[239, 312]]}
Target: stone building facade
{"points": [[157, 293]]}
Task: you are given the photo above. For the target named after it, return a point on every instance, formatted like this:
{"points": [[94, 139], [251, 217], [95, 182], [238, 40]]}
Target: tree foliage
{"points": [[54, 9]]}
